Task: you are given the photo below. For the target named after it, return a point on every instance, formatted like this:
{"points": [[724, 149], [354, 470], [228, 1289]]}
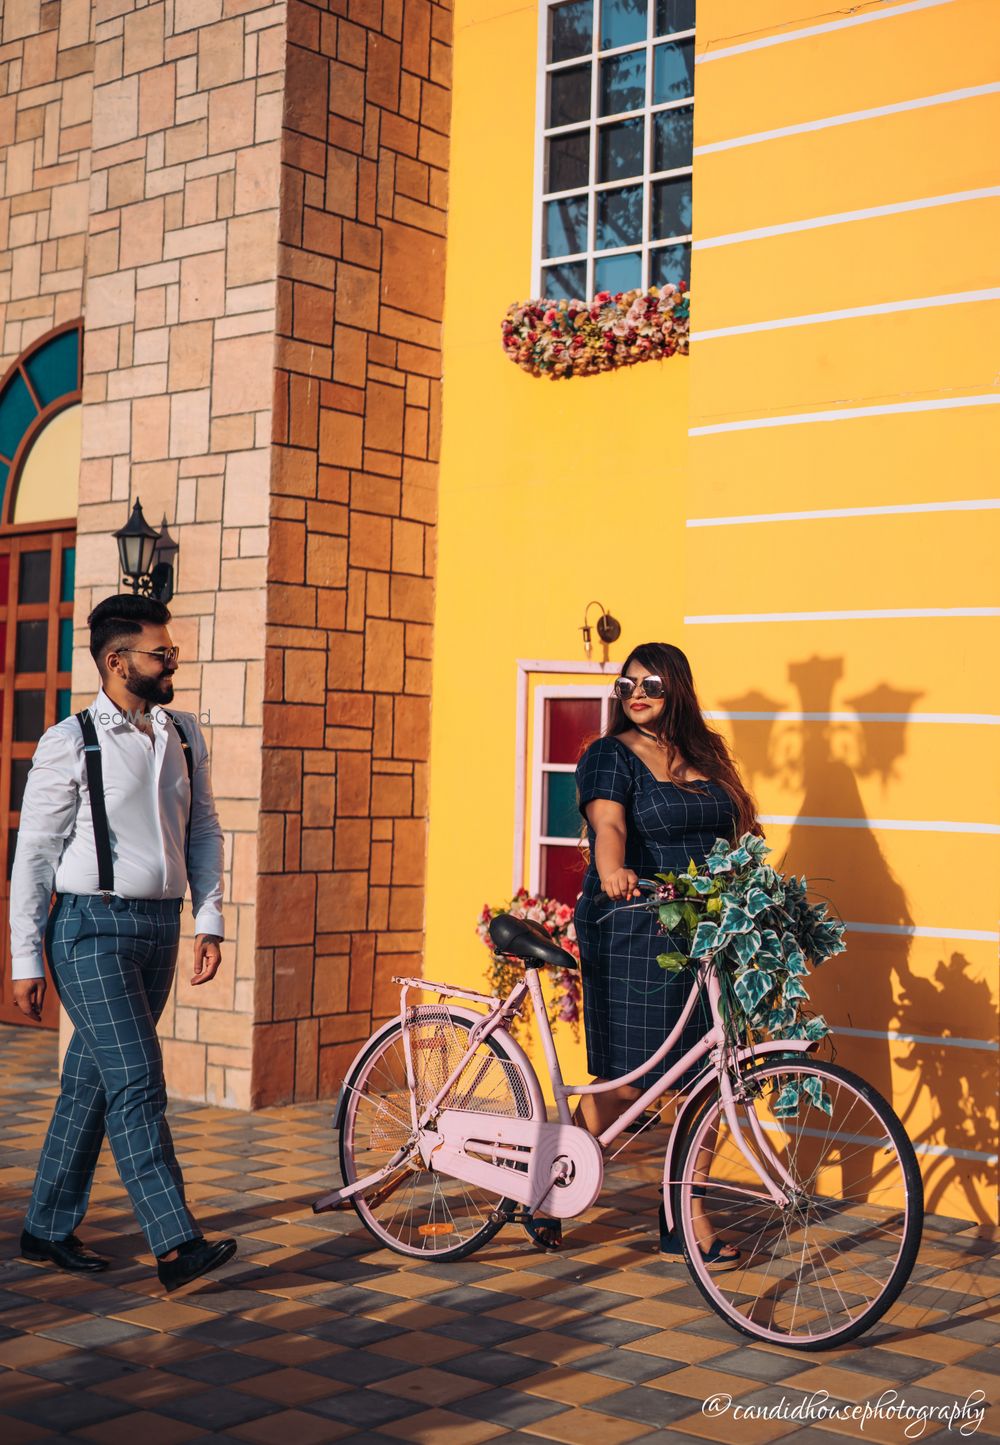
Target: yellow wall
{"points": [[554, 493]]}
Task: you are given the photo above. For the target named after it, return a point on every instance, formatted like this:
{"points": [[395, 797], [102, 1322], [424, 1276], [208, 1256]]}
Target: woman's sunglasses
{"points": [[626, 687]]}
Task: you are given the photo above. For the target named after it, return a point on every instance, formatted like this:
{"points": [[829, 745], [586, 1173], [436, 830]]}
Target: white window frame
{"points": [[647, 177], [528, 763]]}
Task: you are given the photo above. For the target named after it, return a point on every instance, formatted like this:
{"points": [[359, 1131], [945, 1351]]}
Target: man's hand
{"points": [[29, 995], [207, 957]]}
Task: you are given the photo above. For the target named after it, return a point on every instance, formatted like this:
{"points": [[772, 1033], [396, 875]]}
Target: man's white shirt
{"points": [[146, 794]]}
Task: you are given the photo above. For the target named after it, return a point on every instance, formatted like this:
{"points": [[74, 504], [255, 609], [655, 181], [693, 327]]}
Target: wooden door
{"points": [[36, 649]]}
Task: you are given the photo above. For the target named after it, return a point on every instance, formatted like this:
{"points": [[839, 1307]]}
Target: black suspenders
{"points": [[98, 811]]}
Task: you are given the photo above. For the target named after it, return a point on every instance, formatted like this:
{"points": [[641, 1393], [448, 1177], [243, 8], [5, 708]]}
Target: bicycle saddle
{"points": [[531, 942]]}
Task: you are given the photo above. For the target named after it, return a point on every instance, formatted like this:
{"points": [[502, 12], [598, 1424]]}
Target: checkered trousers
{"points": [[113, 967]]}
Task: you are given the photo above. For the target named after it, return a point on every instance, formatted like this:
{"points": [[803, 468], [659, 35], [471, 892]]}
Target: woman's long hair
{"points": [[682, 730]]}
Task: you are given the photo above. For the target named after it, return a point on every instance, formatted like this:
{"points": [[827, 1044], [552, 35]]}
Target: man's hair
{"points": [[116, 620]]}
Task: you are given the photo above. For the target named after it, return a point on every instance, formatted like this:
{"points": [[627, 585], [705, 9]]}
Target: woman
{"points": [[656, 791]]}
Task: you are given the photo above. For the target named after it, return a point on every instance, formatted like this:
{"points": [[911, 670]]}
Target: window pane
{"points": [[623, 83], [17, 412], [674, 15], [68, 579], [570, 722], [53, 368], [620, 150], [560, 815], [673, 138], [565, 283], [63, 696], [31, 646], [11, 846], [562, 874], [33, 582], [673, 71], [65, 663], [619, 218], [566, 226], [19, 769], [569, 95], [671, 208], [571, 29], [4, 576], [618, 273], [29, 714], [670, 264], [623, 22], [568, 161]]}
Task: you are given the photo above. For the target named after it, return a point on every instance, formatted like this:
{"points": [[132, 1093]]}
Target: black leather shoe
{"points": [[66, 1253], [194, 1257]]}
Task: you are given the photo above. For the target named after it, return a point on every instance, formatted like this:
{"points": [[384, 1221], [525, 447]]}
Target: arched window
{"points": [[40, 430]]}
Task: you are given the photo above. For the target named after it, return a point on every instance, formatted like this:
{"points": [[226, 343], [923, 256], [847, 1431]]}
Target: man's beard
{"points": [[150, 689]]}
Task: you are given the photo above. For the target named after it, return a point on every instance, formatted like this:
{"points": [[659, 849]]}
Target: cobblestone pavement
{"points": [[315, 1334]]}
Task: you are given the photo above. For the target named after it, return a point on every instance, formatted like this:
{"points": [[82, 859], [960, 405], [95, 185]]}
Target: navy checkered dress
{"points": [[630, 1004]]}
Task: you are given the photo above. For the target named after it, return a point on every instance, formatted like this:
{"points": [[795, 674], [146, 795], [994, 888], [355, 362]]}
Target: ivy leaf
{"points": [[752, 987], [745, 946], [702, 885], [672, 962], [817, 1028], [770, 948], [713, 905], [734, 919], [786, 1105], [757, 902], [705, 940], [812, 1085], [718, 864], [692, 868], [670, 915], [690, 915], [793, 990]]}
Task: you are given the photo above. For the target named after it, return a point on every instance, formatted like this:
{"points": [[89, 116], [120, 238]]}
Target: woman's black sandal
{"points": [[670, 1241], [543, 1232]]}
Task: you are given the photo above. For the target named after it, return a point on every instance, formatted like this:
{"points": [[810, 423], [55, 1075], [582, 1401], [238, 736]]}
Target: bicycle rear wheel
{"points": [[824, 1268], [420, 1211]]}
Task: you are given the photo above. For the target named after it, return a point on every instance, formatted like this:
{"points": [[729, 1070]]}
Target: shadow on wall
{"points": [[948, 1098]]}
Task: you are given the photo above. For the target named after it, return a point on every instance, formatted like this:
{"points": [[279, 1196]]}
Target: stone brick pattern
{"points": [[351, 558], [46, 85], [180, 312]]}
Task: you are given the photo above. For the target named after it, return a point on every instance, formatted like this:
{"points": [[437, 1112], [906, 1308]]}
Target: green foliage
{"points": [[763, 934]]}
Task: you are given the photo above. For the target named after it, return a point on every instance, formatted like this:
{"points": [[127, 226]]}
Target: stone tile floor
{"points": [[314, 1334]]}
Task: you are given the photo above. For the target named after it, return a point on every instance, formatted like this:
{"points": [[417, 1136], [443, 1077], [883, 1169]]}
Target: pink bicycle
{"points": [[444, 1135]]}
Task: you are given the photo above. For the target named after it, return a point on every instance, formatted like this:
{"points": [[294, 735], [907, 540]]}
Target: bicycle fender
{"points": [[513, 1050], [695, 1099]]}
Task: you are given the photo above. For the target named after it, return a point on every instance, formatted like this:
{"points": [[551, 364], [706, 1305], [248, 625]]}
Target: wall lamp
{"points": [[147, 558], [609, 629]]}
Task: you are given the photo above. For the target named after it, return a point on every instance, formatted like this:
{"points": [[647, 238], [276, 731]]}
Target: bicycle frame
{"points": [[500, 1011]]}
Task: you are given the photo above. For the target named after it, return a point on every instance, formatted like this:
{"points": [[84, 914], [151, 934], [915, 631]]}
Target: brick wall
{"points": [[46, 60], [180, 310], [351, 557]]}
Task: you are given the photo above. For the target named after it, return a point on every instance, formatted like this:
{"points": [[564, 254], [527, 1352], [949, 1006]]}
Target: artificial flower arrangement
{"points": [[581, 338], [761, 929], [562, 985]]}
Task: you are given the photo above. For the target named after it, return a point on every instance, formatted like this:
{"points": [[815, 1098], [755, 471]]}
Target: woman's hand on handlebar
{"points": [[622, 883]]}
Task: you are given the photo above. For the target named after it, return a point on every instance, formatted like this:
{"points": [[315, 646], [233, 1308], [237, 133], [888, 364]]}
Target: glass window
{"points": [[11, 846], [610, 133], [623, 82], [570, 723], [33, 578], [65, 663], [63, 706], [562, 873], [32, 645], [621, 147], [623, 22], [561, 815], [568, 719], [68, 579], [569, 95], [19, 770], [17, 412], [29, 715], [53, 368], [571, 30], [670, 265]]}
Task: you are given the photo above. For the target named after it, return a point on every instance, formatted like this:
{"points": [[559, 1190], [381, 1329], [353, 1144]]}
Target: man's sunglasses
{"points": [[652, 687], [167, 655]]}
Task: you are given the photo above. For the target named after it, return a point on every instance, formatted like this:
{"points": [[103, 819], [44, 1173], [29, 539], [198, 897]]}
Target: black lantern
{"points": [[138, 545]]}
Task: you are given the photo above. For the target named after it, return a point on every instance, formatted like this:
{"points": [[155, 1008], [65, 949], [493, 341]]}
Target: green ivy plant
{"points": [[762, 933]]}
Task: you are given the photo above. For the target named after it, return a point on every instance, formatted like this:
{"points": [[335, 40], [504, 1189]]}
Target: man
{"points": [[118, 830]]}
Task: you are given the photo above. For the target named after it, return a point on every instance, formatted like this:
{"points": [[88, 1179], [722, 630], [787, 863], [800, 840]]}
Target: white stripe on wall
{"points": [[851, 313], [922, 102], [982, 719], [896, 825], [840, 218], [913, 930], [988, 504], [808, 31], [947, 1043], [865, 614], [847, 413]]}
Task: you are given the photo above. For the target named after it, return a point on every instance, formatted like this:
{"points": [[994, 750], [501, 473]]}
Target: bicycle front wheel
{"points": [[417, 1210], [822, 1269]]}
